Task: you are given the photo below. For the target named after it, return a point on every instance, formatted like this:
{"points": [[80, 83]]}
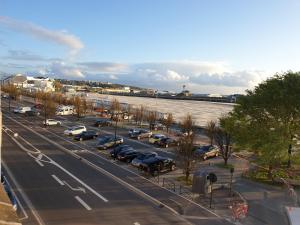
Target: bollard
{"points": [[174, 187], [180, 189], [163, 182]]}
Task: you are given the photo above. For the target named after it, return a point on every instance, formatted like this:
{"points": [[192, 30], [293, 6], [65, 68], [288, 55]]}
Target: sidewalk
{"points": [[7, 214]]}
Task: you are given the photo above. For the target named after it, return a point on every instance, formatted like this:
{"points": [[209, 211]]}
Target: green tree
{"points": [[267, 119]]}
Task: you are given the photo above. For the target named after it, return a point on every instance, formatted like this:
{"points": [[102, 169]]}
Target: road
{"points": [[58, 181]]}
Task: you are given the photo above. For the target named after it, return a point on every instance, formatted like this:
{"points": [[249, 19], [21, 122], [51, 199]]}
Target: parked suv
{"points": [[128, 156], [158, 163], [108, 142], [139, 134], [167, 142], [137, 161], [207, 151], [32, 113], [85, 135], [75, 130], [155, 138], [114, 153], [103, 122]]}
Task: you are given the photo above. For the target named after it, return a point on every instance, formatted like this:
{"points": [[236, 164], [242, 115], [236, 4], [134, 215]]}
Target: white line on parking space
{"points": [[136, 223], [58, 180], [83, 203], [39, 162]]}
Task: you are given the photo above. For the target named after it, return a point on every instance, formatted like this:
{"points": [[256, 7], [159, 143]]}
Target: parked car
{"points": [[22, 109], [103, 122], [158, 164], [109, 142], [158, 126], [155, 138], [75, 130], [51, 122], [38, 106], [128, 156], [32, 113], [118, 149], [207, 151], [131, 131], [143, 156], [85, 135], [139, 134], [167, 142]]}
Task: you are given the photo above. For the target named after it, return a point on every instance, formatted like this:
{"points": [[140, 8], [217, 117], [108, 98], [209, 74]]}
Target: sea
{"points": [[201, 111]]}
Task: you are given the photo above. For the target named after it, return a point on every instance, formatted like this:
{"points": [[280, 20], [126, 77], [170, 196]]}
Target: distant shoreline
{"points": [[221, 100]]}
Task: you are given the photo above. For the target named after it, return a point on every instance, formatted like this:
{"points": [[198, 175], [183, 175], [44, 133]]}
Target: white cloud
{"points": [[103, 67], [61, 70], [59, 37]]}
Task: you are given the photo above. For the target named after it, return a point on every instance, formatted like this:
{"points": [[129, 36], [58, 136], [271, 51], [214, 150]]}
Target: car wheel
{"points": [[173, 167], [128, 160], [70, 134]]}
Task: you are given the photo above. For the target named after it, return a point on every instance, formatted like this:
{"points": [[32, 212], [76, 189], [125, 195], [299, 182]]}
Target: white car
{"points": [[22, 109], [51, 122], [75, 130]]}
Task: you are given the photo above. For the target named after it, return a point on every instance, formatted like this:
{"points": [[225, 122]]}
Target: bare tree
{"points": [[185, 151], [141, 116], [210, 130], [151, 117], [168, 121], [13, 93], [115, 109], [136, 115], [223, 141], [77, 102], [129, 111], [84, 106], [57, 85], [49, 106]]}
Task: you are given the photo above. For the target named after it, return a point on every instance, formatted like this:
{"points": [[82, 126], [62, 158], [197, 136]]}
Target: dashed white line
{"points": [[136, 223], [83, 203], [58, 180], [39, 162]]}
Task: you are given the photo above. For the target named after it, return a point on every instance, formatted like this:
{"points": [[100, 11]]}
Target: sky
{"points": [[215, 46]]}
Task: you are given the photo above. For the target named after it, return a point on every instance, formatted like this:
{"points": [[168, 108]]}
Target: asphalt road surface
{"points": [[59, 181]]}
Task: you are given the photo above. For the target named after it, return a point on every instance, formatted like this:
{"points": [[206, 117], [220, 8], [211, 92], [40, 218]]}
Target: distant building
{"points": [[185, 93], [214, 96], [32, 84]]}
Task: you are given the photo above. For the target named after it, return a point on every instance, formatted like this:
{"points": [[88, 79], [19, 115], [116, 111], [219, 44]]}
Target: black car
{"points": [[119, 149], [158, 163], [32, 113], [109, 142], [137, 161], [139, 134], [104, 122], [167, 142], [85, 135], [128, 156]]}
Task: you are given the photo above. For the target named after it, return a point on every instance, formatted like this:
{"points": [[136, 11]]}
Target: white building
{"points": [[31, 83]]}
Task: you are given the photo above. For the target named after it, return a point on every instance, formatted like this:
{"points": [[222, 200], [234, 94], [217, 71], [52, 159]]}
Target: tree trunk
{"points": [[187, 175], [225, 161], [270, 169]]}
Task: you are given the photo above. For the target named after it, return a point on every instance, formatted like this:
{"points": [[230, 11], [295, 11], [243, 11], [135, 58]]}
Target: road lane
{"points": [[122, 203]]}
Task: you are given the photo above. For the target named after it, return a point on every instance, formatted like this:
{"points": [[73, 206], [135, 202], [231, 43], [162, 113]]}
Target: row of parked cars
{"points": [[147, 161], [150, 162]]}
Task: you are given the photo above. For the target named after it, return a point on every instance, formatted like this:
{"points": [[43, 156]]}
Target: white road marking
{"points": [[52, 161], [83, 203], [75, 189], [39, 162], [58, 180], [136, 223]]}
